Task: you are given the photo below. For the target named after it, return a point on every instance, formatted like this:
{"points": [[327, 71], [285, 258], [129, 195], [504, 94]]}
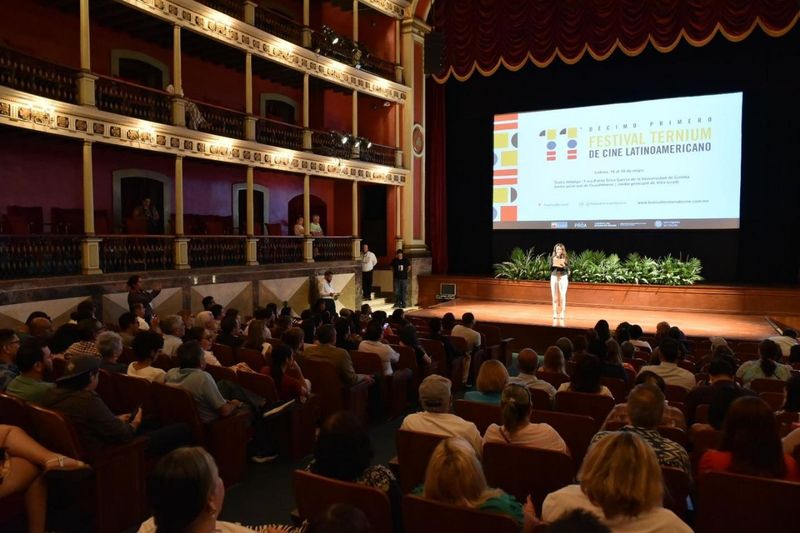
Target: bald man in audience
{"points": [[40, 327], [528, 362]]}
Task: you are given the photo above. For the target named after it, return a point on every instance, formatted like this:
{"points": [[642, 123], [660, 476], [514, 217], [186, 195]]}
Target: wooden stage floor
{"points": [[694, 324]]}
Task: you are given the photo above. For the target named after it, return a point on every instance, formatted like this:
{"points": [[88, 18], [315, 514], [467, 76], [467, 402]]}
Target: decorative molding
{"points": [[398, 9], [202, 19], [32, 112]]}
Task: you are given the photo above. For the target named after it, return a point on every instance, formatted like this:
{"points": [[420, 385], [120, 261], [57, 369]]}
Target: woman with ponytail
{"points": [[765, 367], [517, 429]]}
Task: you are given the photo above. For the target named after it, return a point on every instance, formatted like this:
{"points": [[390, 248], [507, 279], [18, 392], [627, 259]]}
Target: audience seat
{"points": [[224, 438], [224, 354], [164, 362], [617, 387], [676, 484], [520, 470], [767, 385], [395, 389], [427, 516], [553, 378], [314, 494], [596, 406], [774, 399], [731, 503], [133, 392], [494, 337], [106, 390], [479, 413], [334, 396], [637, 363], [414, 450], [786, 421], [675, 393], [220, 373], [540, 399], [127, 356], [435, 349], [115, 493], [701, 413], [252, 358], [702, 440], [576, 430], [14, 412]]}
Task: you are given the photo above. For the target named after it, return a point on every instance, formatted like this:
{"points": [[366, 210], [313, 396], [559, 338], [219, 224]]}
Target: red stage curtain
{"points": [[436, 220], [484, 34]]}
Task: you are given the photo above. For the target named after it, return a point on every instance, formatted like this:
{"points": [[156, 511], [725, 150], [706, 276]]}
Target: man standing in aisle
{"points": [[368, 262], [400, 269], [328, 294]]}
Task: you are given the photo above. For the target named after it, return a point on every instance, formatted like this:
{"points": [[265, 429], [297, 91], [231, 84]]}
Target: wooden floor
{"points": [[730, 326]]}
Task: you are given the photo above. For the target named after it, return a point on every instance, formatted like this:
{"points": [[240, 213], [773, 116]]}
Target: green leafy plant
{"points": [[596, 266]]}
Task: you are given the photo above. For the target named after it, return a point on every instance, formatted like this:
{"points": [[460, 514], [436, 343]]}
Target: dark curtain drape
{"points": [[482, 35], [436, 155]]}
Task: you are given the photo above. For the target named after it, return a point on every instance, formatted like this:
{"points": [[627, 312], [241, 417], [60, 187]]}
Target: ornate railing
{"points": [[379, 154], [127, 254], [232, 8], [216, 120], [219, 250], [125, 98], [378, 66], [277, 24], [28, 256], [333, 248], [277, 249], [341, 48], [279, 134], [35, 76], [329, 143]]}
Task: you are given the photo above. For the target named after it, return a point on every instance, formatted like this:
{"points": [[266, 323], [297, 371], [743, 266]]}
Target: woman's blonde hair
{"points": [[554, 360], [455, 475], [492, 376], [621, 475], [555, 247]]}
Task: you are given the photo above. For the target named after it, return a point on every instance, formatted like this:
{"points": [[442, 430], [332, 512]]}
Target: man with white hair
{"points": [[174, 330], [109, 345]]}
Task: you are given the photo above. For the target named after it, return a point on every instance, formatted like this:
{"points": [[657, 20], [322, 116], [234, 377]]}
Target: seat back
{"points": [[55, 432], [106, 390], [520, 470], [251, 358], [314, 494], [177, 405], [767, 385], [366, 362], [481, 414], [164, 362], [576, 430], [617, 387], [733, 502], [774, 399], [427, 516], [674, 434], [132, 392], [540, 399], [220, 373], [701, 413], [414, 450], [676, 484], [675, 393], [14, 412], [702, 440], [224, 353], [459, 343], [596, 406], [260, 384], [435, 349], [553, 378], [127, 356], [326, 384]]}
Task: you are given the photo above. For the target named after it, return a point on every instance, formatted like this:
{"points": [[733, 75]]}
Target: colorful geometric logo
{"points": [[553, 138], [505, 170]]}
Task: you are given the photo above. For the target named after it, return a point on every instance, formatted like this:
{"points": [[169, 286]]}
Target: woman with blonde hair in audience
{"points": [[586, 377], [554, 361], [623, 497], [492, 378], [454, 476], [516, 407]]}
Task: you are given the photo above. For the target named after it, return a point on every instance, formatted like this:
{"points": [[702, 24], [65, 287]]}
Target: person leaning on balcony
{"points": [[299, 228], [315, 228]]}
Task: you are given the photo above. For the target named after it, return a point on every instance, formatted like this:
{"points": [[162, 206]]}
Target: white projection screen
{"points": [[659, 164]]}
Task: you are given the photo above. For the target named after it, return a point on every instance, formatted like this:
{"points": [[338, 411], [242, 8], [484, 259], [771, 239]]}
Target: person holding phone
{"points": [[559, 280]]}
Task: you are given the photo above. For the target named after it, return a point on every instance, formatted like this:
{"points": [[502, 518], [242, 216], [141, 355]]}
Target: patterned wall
{"points": [[504, 197]]}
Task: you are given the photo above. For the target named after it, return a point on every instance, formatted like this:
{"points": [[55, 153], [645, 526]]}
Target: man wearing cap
{"points": [[435, 398], [34, 362]]}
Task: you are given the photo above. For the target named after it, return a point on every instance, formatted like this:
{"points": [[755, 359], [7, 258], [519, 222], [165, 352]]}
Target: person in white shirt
{"points": [[636, 332], [516, 407], [668, 369], [146, 345], [327, 293], [435, 398], [473, 338], [372, 343], [174, 330], [528, 362], [625, 499], [368, 262]]}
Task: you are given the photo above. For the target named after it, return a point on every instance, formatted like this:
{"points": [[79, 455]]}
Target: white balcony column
{"points": [[356, 151], [307, 145], [355, 210], [178, 102], [306, 24], [398, 66], [85, 78], [355, 20], [252, 242], [90, 246], [250, 12], [181, 242], [250, 120], [308, 242]]}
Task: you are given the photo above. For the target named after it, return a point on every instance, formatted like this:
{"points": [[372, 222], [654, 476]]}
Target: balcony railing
{"points": [[279, 134], [126, 98], [277, 24], [216, 120], [232, 8], [329, 143], [207, 251], [376, 65], [276, 249], [333, 248], [31, 256], [31, 75], [128, 254], [343, 49], [379, 154]]}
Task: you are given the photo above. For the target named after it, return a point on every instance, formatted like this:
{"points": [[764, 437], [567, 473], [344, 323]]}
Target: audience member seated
{"points": [[287, 375], [636, 332], [186, 494], [465, 331], [327, 351], [578, 521], [455, 477], [794, 355], [528, 361], [230, 332], [765, 367], [62, 339], [645, 410], [9, 345], [586, 377], [205, 319], [35, 363], [791, 441], [84, 311], [39, 326], [140, 311], [128, 328], [408, 337], [492, 378], [721, 385], [785, 341], [293, 337], [791, 394], [345, 337], [366, 313], [173, 329], [257, 335], [372, 343], [553, 360], [96, 426], [625, 498], [566, 347], [88, 329], [146, 347], [344, 451], [436, 399], [109, 346], [448, 323], [672, 415], [668, 352], [751, 444], [21, 467], [612, 363], [517, 428], [338, 518], [205, 339], [580, 347]]}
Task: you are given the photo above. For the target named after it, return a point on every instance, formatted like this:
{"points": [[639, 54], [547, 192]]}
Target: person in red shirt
{"points": [[284, 373]]}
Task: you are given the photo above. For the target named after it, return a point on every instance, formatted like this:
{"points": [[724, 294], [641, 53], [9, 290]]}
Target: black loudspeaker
{"points": [[434, 53]]}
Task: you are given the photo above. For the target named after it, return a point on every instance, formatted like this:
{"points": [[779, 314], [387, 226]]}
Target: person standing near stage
{"points": [[328, 294], [559, 274], [400, 269], [368, 262]]}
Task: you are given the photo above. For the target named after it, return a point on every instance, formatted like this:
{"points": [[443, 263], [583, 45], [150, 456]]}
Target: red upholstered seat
{"points": [[576, 430], [553, 378], [252, 358], [414, 450], [395, 389], [334, 396], [767, 385], [596, 406], [427, 516], [677, 484], [481, 414]]}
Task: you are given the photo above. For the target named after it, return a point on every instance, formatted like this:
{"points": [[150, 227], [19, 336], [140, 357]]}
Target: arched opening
{"points": [[130, 188], [260, 208], [278, 107], [318, 207], [139, 68]]}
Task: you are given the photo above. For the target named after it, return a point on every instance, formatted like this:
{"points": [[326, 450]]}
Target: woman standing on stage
{"points": [[559, 274]]}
